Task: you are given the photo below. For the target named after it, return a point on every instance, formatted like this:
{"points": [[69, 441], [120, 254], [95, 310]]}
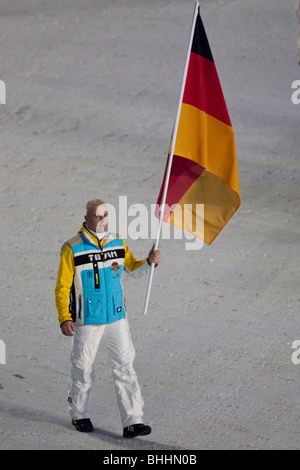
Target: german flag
{"points": [[204, 164]]}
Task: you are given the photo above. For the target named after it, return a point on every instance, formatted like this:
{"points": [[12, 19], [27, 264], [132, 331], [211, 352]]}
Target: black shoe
{"points": [[136, 430], [83, 425]]}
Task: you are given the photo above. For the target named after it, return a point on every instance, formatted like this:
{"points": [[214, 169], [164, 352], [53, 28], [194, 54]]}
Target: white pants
{"points": [[121, 353]]}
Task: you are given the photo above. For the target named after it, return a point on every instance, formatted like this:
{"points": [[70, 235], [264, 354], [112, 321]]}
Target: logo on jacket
{"points": [[115, 268]]}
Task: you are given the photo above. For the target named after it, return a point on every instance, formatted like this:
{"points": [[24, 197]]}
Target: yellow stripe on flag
{"points": [[209, 142], [220, 203]]}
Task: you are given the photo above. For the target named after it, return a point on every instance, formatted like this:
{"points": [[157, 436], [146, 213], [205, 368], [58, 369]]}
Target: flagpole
{"points": [[174, 135]]}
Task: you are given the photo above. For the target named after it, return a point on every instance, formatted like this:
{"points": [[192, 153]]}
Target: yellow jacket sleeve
{"points": [[64, 282], [134, 267]]}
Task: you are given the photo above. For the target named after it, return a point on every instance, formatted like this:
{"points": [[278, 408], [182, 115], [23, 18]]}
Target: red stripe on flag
{"points": [[203, 89], [184, 173]]}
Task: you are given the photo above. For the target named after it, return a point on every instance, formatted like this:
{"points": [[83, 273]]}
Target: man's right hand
{"points": [[67, 328]]}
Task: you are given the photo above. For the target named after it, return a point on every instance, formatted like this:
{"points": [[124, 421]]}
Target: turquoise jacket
{"points": [[89, 287]]}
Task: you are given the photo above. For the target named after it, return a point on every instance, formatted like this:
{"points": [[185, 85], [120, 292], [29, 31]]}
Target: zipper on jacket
{"points": [[103, 287], [96, 269], [79, 306]]}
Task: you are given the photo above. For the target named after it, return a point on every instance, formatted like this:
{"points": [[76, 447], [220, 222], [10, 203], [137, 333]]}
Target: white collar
{"points": [[101, 235]]}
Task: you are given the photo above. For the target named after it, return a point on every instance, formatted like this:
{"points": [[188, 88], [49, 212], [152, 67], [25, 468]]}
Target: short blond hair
{"points": [[90, 205]]}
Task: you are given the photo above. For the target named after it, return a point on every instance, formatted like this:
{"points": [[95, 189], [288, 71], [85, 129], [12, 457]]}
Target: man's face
{"points": [[97, 219]]}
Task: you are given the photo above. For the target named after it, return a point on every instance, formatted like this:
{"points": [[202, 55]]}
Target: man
{"points": [[90, 303]]}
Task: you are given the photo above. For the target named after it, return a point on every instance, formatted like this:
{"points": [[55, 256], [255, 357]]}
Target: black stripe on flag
{"points": [[200, 44]]}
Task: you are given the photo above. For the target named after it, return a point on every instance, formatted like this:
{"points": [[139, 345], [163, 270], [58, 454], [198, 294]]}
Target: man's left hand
{"points": [[153, 256]]}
